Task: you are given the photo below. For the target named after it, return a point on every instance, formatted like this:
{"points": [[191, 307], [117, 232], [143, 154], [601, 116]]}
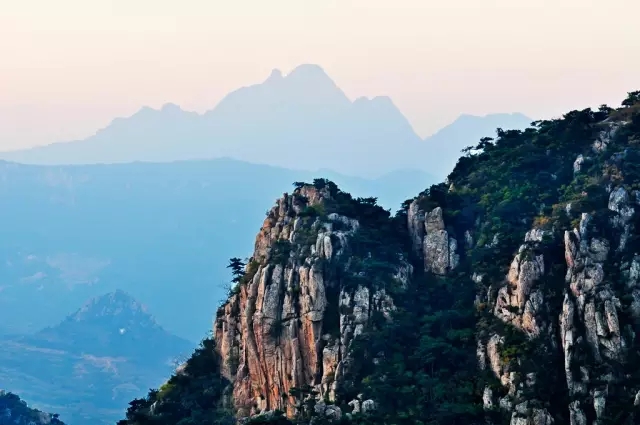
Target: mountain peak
{"points": [[308, 70], [384, 101], [170, 107], [276, 75], [109, 324], [112, 304], [313, 77]]}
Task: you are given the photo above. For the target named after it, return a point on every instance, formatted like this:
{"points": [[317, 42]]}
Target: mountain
{"points": [[300, 121], [445, 146], [16, 412], [508, 295], [161, 231], [88, 366], [113, 325]]}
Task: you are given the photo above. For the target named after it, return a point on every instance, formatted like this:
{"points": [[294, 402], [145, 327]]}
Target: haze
{"points": [[69, 67]]}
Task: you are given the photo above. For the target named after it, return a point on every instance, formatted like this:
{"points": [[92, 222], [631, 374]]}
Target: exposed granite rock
{"points": [[590, 328], [333, 413], [589, 319], [440, 250], [368, 406], [605, 136], [275, 334], [520, 302], [590, 315], [578, 163], [416, 226], [575, 311]]}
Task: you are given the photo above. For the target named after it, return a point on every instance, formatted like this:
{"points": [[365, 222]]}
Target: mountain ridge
{"points": [[302, 113], [141, 227], [507, 294], [88, 365]]}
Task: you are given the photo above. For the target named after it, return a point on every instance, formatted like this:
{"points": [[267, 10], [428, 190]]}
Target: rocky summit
{"points": [[509, 294], [301, 303]]}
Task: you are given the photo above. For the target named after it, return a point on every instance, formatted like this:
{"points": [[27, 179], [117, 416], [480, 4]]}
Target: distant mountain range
{"points": [[299, 121], [155, 204], [89, 366], [161, 231]]}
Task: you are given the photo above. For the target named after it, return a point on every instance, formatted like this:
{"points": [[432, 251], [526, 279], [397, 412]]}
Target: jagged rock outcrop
{"points": [[558, 319], [589, 324], [520, 302], [508, 294], [595, 329], [431, 241], [291, 324]]}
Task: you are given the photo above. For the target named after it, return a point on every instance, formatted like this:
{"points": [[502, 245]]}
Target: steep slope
{"points": [[89, 366], [16, 412], [507, 295], [325, 265], [70, 233], [303, 300], [548, 220]]}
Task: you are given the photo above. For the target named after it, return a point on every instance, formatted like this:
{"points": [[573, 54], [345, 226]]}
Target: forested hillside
{"points": [[16, 412], [510, 294]]}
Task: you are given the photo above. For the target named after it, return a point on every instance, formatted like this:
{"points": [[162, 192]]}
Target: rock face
{"points": [[583, 324], [590, 321], [431, 240], [291, 324], [552, 257], [520, 302]]}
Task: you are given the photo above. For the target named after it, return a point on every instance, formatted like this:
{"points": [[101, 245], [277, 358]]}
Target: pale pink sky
{"points": [[67, 67]]}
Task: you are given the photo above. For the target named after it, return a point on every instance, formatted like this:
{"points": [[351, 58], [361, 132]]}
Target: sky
{"points": [[68, 67]]}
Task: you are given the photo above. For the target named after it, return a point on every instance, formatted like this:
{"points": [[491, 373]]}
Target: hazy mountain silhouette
{"points": [[89, 365], [161, 231], [115, 325], [446, 144], [298, 121]]}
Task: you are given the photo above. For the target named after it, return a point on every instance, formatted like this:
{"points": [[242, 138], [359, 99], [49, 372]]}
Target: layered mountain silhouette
{"points": [[161, 231], [446, 144], [301, 120], [116, 325], [90, 364]]}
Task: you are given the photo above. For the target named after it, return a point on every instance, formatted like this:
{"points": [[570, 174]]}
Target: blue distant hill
{"points": [[160, 231]]}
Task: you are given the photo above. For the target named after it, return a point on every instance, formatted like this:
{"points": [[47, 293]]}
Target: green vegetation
{"points": [[192, 396], [426, 367], [16, 412], [498, 191], [421, 366]]}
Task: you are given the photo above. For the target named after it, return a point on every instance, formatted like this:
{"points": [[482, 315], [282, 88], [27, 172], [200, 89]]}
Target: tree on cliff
{"points": [[632, 98], [237, 269]]}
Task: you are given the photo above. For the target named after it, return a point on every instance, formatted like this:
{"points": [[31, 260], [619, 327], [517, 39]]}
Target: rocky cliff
{"points": [[568, 304], [305, 296], [510, 294]]}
